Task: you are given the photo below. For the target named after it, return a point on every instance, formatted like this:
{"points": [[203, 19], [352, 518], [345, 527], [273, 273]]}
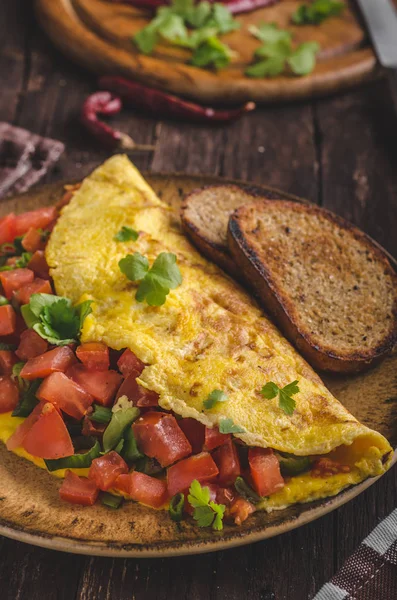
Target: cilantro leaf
{"points": [[212, 53], [146, 39], [316, 12], [214, 397], [285, 400], [227, 426], [126, 234], [197, 14], [134, 266], [206, 513], [83, 310], [266, 68], [302, 61], [173, 28], [270, 33], [222, 19]]}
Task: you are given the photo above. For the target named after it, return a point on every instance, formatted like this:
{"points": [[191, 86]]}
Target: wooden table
{"points": [[339, 152]]}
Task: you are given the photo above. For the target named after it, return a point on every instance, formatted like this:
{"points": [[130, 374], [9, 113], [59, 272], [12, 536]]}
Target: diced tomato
{"points": [[194, 431], [7, 320], [37, 286], [225, 495], [32, 240], [139, 395], [11, 261], [78, 490], [92, 428], [66, 394], [241, 509], [7, 228], [37, 219], [31, 345], [143, 488], [17, 438], [159, 436], [7, 361], [226, 458], [105, 470], [180, 476], [214, 439], [265, 471], [38, 265], [100, 384], [129, 364], [94, 356], [14, 280], [9, 394], [48, 436], [58, 359]]}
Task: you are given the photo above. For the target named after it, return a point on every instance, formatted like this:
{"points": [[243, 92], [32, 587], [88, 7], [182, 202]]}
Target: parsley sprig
{"points": [[277, 55], [285, 400], [206, 512], [193, 26], [317, 11], [228, 426], [126, 234], [155, 282], [214, 397]]}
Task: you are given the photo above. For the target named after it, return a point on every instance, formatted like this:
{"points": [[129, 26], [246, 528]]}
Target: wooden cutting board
{"points": [[97, 34]]}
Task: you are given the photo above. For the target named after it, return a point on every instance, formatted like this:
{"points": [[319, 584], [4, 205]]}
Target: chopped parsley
{"points": [[285, 400], [126, 234], [227, 426], [214, 397], [155, 282], [316, 12], [54, 318], [206, 512]]}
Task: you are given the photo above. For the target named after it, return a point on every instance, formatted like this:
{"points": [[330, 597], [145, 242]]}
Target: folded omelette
{"points": [[209, 334]]}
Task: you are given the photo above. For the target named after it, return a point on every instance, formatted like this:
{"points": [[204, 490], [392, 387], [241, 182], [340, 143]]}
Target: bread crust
{"points": [[284, 310]]}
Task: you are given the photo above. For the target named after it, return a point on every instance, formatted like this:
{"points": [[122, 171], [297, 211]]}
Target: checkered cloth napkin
{"points": [[24, 158], [371, 572]]}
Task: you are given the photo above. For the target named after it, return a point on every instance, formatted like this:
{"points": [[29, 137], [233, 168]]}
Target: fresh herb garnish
{"points": [[316, 12], [285, 400], [155, 282], [227, 426], [54, 318], [277, 54], [126, 234], [175, 510], [206, 512], [190, 25], [214, 397]]}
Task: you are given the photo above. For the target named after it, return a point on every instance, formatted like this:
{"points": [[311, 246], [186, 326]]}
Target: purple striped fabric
{"points": [[371, 572]]}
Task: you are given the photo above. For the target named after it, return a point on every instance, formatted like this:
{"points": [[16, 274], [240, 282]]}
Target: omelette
{"points": [[208, 335]]}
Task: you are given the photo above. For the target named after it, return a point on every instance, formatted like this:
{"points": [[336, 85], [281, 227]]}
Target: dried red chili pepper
{"points": [[105, 103], [234, 6], [161, 103]]}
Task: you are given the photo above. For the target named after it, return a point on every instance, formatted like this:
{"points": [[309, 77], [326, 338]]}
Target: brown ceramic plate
{"points": [[30, 510]]}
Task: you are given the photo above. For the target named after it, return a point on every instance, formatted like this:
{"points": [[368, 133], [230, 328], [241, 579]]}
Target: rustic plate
{"points": [[97, 34], [30, 510]]}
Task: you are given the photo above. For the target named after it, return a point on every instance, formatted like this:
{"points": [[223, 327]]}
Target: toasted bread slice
{"points": [[330, 288], [205, 214]]}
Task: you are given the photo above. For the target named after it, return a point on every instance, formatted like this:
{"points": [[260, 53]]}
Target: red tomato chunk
{"points": [[194, 431], [159, 436], [100, 384], [94, 356], [78, 490], [38, 265], [31, 345], [14, 280], [66, 394], [32, 241], [129, 364], [58, 359], [17, 438], [265, 471], [7, 320], [37, 286], [37, 219], [7, 228], [143, 488], [139, 395], [228, 463], [9, 394], [48, 436], [241, 509], [7, 361], [214, 439], [105, 470], [200, 467]]}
